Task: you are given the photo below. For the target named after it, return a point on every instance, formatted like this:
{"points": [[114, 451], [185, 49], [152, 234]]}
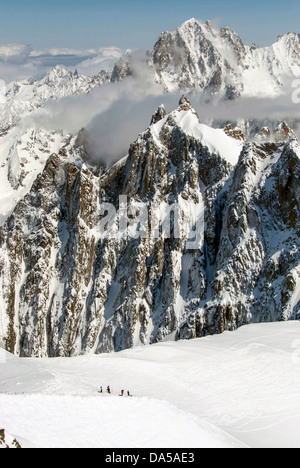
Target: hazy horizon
{"points": [[131, 24]]}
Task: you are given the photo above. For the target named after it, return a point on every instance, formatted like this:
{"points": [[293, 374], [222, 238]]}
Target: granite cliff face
{"points": [[256, 273], [231, 256]]}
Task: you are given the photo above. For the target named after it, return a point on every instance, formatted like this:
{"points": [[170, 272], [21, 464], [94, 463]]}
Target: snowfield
{"points": [[238, 389]]}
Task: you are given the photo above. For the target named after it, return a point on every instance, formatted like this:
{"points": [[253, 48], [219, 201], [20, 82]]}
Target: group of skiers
{"points": [[108, 390], [128, 393]]}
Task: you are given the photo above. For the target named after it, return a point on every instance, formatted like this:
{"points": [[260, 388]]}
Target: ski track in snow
{"points": [[238, 389]]}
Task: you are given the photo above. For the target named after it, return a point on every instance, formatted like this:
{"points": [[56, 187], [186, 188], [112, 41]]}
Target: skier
{"points": [[101, 390], [108, 390], [128, 393], [122, 392]]}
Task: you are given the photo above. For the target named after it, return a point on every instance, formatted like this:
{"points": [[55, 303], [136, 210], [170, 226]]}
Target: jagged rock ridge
{"points": [[65, 289]]}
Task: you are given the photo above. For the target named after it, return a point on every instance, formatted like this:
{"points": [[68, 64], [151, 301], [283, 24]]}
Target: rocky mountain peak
{"points": [[58, 72], [185, 103], [159, 114], [264, 134], [234, 133], [290, 36], [283, 132]]}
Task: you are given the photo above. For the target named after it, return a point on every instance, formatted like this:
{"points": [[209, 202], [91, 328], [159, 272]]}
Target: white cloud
{"points": [[104, 59], [19, 61], [113, 114], [22, 71], [14, 53], [79, 52], [62, 51]]}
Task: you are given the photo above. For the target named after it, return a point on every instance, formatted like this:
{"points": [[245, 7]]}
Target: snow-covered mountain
{"points": [[200, 57], [24, 149], [23, 157], [64, 289], [196, 57], [26, 96]]}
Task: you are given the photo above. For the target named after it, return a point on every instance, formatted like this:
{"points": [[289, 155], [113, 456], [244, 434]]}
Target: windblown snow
{"points": [[239, 389]]}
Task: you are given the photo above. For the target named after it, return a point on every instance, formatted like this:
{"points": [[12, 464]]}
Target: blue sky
{"points": [[125, 24]]}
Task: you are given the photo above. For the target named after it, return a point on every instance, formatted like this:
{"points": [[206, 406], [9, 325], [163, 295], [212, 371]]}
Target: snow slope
{"points": [[215, 140], [231, 390]]}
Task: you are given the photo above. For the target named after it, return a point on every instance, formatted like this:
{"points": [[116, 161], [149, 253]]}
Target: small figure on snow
{"points": [[128, 393], [122, 392], [101, 390], [108, 390]]}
